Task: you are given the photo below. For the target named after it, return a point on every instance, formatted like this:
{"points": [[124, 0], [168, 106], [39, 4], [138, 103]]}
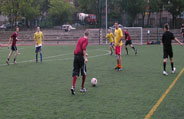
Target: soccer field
{"points": [[30, 90]]}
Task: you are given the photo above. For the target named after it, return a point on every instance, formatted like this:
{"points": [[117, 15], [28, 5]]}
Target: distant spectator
{"points": [[182, 31]]}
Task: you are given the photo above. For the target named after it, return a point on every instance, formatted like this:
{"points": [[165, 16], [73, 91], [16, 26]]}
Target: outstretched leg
{"points": [[9, 56], [126, 49], [133, 49]]}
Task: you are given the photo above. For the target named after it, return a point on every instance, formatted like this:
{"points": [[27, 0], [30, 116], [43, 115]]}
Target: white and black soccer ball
{"points": [[94, 82]]}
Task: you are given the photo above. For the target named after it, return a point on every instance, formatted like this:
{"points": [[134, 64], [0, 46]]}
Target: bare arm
{"points": [[85, 56], [121, 39], [178, 41], [9, 42], [42, 38], [35, 41]]}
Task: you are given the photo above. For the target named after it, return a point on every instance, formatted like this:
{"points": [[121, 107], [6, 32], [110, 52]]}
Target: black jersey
{"points": [[167, 39]]}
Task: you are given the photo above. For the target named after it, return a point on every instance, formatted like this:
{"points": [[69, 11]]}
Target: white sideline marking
{"points": [[33, 60]]}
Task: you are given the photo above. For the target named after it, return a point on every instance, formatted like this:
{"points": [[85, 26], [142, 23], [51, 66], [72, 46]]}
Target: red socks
{"points": [[74, 81], [83, 81]]}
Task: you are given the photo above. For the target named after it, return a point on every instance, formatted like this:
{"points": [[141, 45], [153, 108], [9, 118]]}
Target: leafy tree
{"points": [[175, 7], [60, 11], [29, 9], [131, 8], [18, 9], [10, 8], [154, 6], [88, 6]]}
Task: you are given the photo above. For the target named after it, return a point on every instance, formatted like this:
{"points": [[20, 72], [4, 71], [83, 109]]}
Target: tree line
{"points": [[56, 12], [117, 9], [34, 11]]}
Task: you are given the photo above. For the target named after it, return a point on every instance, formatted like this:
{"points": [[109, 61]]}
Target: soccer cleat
{"points": [[173, 71], [119, 69], [83, 90], [165, 73], [111, 53], [116, 68], [135, 52], [73, 91], [7, 62]]}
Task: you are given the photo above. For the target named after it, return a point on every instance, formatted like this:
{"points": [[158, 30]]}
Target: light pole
{"points": [[106, 19]]}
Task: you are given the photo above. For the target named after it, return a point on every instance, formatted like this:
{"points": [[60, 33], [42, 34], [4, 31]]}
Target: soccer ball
{"points": [[94, 82]]}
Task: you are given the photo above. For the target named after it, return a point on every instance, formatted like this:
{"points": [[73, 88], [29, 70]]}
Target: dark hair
{"points": [[86, 33], [116, 22], [166, 26]]}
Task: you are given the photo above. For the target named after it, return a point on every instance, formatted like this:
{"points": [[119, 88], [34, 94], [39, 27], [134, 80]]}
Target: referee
{"points": [[167, 49]]}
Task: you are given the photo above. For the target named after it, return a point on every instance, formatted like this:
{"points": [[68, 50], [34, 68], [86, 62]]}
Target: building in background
{"points": [[3, 19]]}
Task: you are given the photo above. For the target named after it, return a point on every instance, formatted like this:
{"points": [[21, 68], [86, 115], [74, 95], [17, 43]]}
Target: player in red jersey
{"points": [[13, 41], [80, 60], [128, 41]]}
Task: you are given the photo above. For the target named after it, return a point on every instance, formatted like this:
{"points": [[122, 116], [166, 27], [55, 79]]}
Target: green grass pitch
{"points": [[42, 91]]}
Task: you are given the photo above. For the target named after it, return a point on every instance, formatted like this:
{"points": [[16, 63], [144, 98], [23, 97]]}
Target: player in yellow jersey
{"points": [[118, 45], [110, 37], [38, 38]]}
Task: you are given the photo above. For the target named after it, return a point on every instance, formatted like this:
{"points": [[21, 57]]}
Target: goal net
{"points": [[136, 34]]}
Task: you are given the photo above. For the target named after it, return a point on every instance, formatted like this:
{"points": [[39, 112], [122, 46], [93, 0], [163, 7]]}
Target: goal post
{"points": [[136, 34]]}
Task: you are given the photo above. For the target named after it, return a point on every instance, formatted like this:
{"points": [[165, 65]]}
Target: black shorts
{"points": [[13, 48], [128, 42], [38, 49], [79, 65], [168, 53]]}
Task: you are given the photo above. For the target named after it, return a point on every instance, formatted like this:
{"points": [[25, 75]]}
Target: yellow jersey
{"points": [[39, 37], [118, 34], [110, 36]]}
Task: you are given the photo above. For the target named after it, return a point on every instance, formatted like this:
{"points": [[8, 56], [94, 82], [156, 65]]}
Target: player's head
{"points": [[166, 27], [17, 29], [125, 29], [109, 30], [38, 29], [116, 25], [86, 33]]}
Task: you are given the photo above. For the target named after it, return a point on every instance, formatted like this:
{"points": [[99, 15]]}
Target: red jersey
{"points": [[14, 37], [82, 44], [127, 36]]}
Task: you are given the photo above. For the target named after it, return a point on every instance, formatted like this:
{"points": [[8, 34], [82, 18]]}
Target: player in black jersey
{"points": [[167, 48]]}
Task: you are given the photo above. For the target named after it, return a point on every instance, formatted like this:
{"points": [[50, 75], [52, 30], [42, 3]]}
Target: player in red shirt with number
{"points": [[13, 39], [80, 60]]}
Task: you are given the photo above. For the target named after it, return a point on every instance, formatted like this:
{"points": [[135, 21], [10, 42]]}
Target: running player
{"points": [[128, 41], [38, 38], [110, 37], [118, 45], [13, 40], [167, 49], [80, 60]]}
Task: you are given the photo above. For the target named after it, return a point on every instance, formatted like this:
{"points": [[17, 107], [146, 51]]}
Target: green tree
{"points": [[132, 8], [10, 8], [154, 6], [88, 6], [18, 9], [175, 7], [60, 11], [29, 9]]}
